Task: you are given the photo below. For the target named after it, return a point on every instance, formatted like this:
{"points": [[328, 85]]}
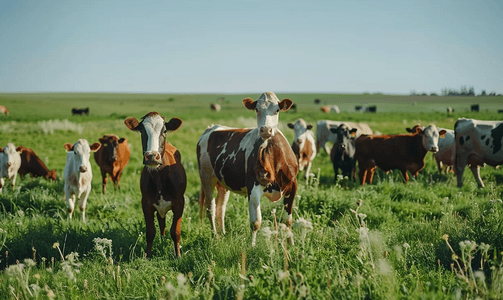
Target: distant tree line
{"points": [[462, 92]]}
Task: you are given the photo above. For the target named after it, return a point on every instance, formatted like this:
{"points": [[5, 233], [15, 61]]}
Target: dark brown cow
{"points": [[32, 164], [163, 180], [404, 152], [112, 157], [249, 162]]}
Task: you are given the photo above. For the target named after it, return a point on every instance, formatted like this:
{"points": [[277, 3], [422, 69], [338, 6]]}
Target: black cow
{"points": [[80, 111], [475, 107], [343, 151]]}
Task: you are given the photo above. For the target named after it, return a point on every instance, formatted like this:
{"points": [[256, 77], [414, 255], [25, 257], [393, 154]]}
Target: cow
{"points": [[358, 107], [215, 107], [303, 145], [317, 101], [450, 110], [112, 157], [80, 111], [325, 109], [78, 174], [324, 135], [335, 109], [477, 143], [405, 152], [4, 110], [446, 150], [163, 180], [10, 161], [475, 107], [343, 151], [371, 109], [32, 164], [251, 162]]}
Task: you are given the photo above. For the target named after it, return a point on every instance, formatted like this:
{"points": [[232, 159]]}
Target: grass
{"points": [[427, 239]]}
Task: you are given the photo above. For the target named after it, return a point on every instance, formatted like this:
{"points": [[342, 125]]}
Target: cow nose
{"points": [[298, 141], [265, 132], [9, 164], [152, 157], [434, 149], [82, 169]]}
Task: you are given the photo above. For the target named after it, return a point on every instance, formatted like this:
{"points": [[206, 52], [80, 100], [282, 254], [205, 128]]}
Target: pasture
{"points": [[427, 239]]}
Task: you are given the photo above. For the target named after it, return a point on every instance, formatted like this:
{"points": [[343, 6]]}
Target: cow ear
{"points": [[352, 132], [285, 104], [122, 140], [309, 127], [173, 124], [102, 140], [417, 129], [1, 150], [20, 149], [442, 132], [290, 125], [95, 147], [131, 123], [68, 147], [249, 103]]}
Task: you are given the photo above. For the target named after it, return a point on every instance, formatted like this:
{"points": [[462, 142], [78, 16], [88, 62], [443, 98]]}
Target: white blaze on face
{"points": [[300, 129], [153, 125], [267, 114], [81, 154], [430, 141]]}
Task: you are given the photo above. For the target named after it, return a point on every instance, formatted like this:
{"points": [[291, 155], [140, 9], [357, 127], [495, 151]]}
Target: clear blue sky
{"points": [[251, 46]]}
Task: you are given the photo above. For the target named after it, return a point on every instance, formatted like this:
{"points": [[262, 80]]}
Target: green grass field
{"points": [[424, 240]]}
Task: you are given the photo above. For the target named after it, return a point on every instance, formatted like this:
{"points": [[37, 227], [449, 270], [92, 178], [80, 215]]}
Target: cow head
{"points": [[153, 130], [81, 151], [10, 160], [300, 128], [267, 107], [110, 145], [431, 135], [344, 136]]}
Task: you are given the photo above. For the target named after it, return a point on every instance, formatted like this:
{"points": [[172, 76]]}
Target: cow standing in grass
{"points": [[78, 174], [251, 162], [343, 151], [163, 180], [303, 145], [10, 161], [112, 157]]}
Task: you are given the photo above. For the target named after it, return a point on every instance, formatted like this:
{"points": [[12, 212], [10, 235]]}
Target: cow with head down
{"points": [[343, 151], [405, 152], [303, 145], [252, 162], [78, 174], [10, 161], [163, 180], [112, 157], [32, 164]]}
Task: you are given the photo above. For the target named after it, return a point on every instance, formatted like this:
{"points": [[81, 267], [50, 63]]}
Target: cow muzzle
{"points": [[434, 149], [82, 169], [265, 132], [152, 159]]}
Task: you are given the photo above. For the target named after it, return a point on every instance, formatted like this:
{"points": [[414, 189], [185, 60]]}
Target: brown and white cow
{"points": [[32, 164], [4, 110], [112, 157], [78, 174], [251, 162], [477, 143], [303, 145], [10, 161], [325, 109], [324, 135], [215, 107], [163, 180], [405, 152]]}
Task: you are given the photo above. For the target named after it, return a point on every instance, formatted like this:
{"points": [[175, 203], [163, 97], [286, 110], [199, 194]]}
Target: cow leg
{"points": [[405, 175], [288, 205], [370, 174], [83, 203], [148, 214], [221, 204], [162, 224], [2, 183], [70, 201], [117, 178], [308, 171], [206, 199], [362, 173], [14, 180], [476, 173], [439, 164], [103, 180], [459, 167], [327, 148], [176, 226], [255, 212]]}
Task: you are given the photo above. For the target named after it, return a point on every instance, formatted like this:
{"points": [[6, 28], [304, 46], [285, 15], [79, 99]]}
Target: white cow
{"points": [[446, 150], [10, 161], [303, 145], [477, 143], [324, 135], [78, 174]]}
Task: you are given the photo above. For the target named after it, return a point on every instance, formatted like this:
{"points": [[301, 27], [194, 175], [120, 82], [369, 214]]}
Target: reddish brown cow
{"points": [[404, 152], [4, 110], [32, 164], [112, 157], [163, 180], [325, 109]]}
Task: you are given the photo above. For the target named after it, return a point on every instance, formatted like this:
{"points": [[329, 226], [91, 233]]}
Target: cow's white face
{"points": [[268, 107], [10, 161], [430, 142], [81, 153], [300, 128]]}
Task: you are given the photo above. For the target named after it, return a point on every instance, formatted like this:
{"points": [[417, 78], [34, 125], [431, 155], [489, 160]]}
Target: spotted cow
{"points": [[251, 162], [303, 145], [324, 135], [163, 180], [477, 143]]}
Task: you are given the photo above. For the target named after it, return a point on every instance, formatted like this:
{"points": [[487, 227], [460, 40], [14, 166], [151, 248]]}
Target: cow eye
{"points": [[277, 111]]}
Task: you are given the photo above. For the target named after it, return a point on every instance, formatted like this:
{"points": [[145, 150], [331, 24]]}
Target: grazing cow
{"points": [[78, 174], [303, 145], [335, 109], [450, 110], [293, 109], [251, 162], [32, 164], [324, 135], [80, 111], [163, 180], [475, 107], [343, 151], [112, 157], [4, 110], [10, 161], [325, 109], [358, 107], [500, 111], [371, 109], [405, 152], [317, 101], [477, 143], [215, 107]]}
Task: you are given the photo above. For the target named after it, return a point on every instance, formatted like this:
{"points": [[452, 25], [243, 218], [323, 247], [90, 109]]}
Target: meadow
{"points": [[424, 240]]}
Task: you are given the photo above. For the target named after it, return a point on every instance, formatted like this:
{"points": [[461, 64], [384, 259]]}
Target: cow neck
{"points": [[419, 147]]}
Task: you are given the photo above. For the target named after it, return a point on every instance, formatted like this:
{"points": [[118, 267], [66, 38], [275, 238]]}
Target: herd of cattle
{"points": [[255, 162]]}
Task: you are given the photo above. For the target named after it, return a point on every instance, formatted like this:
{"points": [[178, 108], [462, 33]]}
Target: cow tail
{"points": [[201, 205]]}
